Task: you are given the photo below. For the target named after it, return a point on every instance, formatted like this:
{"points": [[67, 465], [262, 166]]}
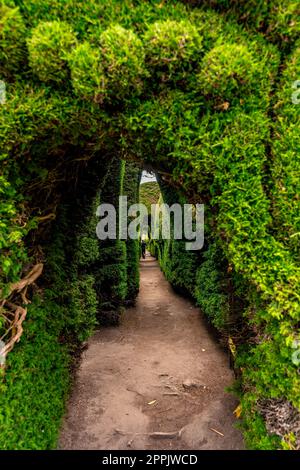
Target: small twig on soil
{"points": [[153, 435], [218, 432], [165, 435], [134, 391], [129, 443]]}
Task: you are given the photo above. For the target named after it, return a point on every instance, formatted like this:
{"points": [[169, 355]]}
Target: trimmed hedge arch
{"points": [[203, 96]]}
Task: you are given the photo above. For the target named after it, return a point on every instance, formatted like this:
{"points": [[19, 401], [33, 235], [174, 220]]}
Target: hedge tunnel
{"points": [[200, 92]]}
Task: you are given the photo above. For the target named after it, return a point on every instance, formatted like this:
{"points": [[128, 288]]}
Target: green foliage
{"points": [[49, 47], [133, 275], [94, 15], [228, 71], [111, 275], [284, 22], [88, 79], [178, 264], [12, 253], [224, 156], [172, 47], [211, 288], [123, 61], [38, 369], [149, 194], [71, 275], [226, 134], [279, 21], [285, 184], [130, 189], [83, 306], [255, 433], [36, 382], [12, 43], [275, 377]]}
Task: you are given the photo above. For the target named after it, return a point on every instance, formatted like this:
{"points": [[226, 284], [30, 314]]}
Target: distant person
{"points": [[143, 245]]}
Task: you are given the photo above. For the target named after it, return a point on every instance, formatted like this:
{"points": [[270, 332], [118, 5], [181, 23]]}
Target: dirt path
{"points": [[160, 371]]}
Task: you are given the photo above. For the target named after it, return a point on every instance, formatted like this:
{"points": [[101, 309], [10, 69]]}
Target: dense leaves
{"points": [[12, 41], [123, 61], [228, 71], [48, 47], [171, 49], [205, 98], [87, 75]]}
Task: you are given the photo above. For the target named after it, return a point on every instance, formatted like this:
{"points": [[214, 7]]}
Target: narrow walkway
{"points": [[160, 371]]}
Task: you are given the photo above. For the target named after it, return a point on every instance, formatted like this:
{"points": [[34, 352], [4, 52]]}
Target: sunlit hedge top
{"points": [[48, 47], [87, 72], [12, 40], [122, 56], [117, 62], [228, 71], [172, 47]]}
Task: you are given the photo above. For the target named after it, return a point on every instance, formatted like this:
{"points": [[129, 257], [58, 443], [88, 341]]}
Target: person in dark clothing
{"points": [[143, 245]]}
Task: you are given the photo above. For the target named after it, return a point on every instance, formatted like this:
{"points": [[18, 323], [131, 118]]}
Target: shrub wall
{"points": [[201, 93]]}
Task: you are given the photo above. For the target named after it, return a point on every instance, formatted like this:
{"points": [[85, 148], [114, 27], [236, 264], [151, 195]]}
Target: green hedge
{"points": [[131, 183], [204, 97], [48, 47], [36, 382], [12, 42], [111, 275], [285, 181]]}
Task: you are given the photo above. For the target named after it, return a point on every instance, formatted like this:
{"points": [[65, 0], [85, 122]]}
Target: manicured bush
{"points": [[111, 274], [87, 74], [131, 181], [49, 46], [228, 72], [172, 48], [211, 288], [178, 264], [123, 61]]}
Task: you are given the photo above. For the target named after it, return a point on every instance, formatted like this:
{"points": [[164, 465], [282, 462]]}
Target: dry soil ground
{"points": [[160, 371]]}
